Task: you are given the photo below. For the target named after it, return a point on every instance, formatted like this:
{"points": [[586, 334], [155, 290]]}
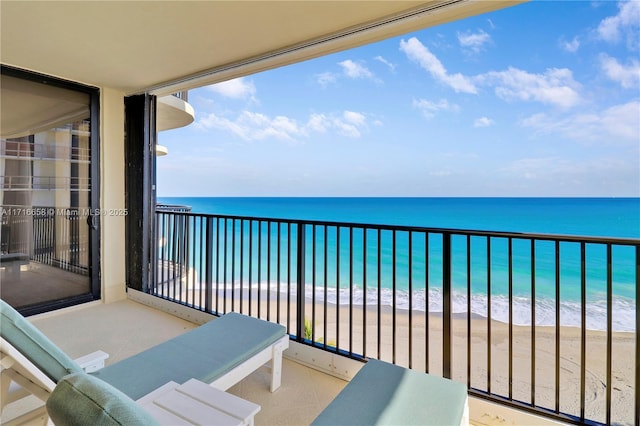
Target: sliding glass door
{"points": [[48, 192]]}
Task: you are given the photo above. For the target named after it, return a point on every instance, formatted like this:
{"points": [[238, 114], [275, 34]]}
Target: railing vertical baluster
{"points": [[410, 266], [609, 329], [208, 264], [337, 288], [259, 295], [351, 291], [278, 260], [426, 302], [326, 285], [250, 272], [269, 270], [289, 277], [364, 293], [300, 284], [233, 265], [510, 257], [446, 305], [468, 311], [379, 325], [557, 343], [533, 322], [393, 296], [165, 232], [583, 327], [637, 382], [489, 314], [313, 284]]}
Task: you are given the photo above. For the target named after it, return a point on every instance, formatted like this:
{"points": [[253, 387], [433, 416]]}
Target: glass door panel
{"points": [[45, 194]]}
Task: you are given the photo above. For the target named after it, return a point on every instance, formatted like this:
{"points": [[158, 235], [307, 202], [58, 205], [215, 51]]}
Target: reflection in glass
{"points": [[45, 187]]}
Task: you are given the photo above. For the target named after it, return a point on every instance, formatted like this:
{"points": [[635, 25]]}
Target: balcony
{"points": [[305, 274]]}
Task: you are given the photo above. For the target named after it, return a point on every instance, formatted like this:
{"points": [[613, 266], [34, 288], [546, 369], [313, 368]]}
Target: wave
{"points": [[623, 309]]}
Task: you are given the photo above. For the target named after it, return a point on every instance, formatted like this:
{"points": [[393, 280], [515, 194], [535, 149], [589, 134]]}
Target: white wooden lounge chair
{"points": [[221, 353]]}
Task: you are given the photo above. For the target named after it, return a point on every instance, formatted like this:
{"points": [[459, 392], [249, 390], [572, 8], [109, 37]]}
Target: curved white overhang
{"points": [[173, 113], [161, 150]]}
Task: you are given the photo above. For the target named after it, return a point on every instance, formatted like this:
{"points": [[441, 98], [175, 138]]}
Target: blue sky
{"points": [[540, 99]]}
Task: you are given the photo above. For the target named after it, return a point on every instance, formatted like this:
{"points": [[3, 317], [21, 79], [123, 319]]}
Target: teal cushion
{"points": [[34, 345], [80, 399], [385, 394], [205, 353]]}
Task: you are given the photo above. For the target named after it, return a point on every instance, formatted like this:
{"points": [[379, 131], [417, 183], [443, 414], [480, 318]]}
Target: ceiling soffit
{"points": [[163, 47]]}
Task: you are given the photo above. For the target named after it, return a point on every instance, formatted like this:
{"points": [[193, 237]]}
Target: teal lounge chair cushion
{"points": [[80, 399], [385, 394], [205, 353], [34, 345]]}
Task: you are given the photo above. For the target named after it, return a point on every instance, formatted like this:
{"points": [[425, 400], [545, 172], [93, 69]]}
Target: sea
{"points": [[587, 217]]}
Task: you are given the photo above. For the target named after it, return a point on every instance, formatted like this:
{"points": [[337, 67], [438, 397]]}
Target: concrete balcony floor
{"points": [[126, 327]]}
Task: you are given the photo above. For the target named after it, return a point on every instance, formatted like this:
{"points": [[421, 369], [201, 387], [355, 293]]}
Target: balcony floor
{"points": [[125, 328]]}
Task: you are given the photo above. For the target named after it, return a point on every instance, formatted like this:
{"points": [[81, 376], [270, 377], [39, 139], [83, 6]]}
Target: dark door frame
{"points": [[94, 171]]}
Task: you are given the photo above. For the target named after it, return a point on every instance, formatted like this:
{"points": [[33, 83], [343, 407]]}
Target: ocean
{"points": [[590, 217]]}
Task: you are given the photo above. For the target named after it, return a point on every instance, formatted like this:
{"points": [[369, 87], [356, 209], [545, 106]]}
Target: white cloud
{"points": [[355, 118], [483, 122], [253, 126], [355, 70], [349, 123], [419, 53], [318, 123], [614, 125], [570, 46], [429, 109], [391, 66], [238, 88], [326, 78], [628, 76], [555, 86], [625, 24], [474, 41]]}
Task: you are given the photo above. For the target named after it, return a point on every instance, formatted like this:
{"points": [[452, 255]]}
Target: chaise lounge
{"points": [[220, 353], [386, 394]]}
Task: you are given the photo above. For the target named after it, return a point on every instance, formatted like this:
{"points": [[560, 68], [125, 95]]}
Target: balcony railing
{"points": [[49, 236], [39, 151], [543, 323]]}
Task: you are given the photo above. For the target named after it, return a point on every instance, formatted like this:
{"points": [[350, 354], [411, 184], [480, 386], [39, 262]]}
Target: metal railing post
{"points": [[208, 264], [300, 279], [446, 305]]}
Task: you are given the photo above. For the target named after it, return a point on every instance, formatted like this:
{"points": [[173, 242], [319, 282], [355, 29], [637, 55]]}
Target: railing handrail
{"points": [[409, 228]]}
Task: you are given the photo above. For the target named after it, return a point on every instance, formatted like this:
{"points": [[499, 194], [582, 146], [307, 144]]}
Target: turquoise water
{"points": [[602, 217]]}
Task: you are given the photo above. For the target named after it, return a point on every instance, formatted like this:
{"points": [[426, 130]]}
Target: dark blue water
{"points": [[607, 217], [601, 217]]}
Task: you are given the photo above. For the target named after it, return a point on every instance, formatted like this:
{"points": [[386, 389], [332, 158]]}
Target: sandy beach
{"points": [[424, 336]]}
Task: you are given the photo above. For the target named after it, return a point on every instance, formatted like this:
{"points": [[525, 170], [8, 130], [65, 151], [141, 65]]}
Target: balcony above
{"points": [[173, 113]]}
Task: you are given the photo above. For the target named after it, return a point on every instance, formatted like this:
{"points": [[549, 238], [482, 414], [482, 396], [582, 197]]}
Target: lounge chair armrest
{"points": [[93, 361]]}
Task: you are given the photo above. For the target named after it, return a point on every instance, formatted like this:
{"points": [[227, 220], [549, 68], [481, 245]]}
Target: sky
{"points": [[537, 100]]}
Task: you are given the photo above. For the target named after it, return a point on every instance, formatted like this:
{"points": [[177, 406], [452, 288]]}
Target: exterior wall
{"points": [[112, 167]]}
